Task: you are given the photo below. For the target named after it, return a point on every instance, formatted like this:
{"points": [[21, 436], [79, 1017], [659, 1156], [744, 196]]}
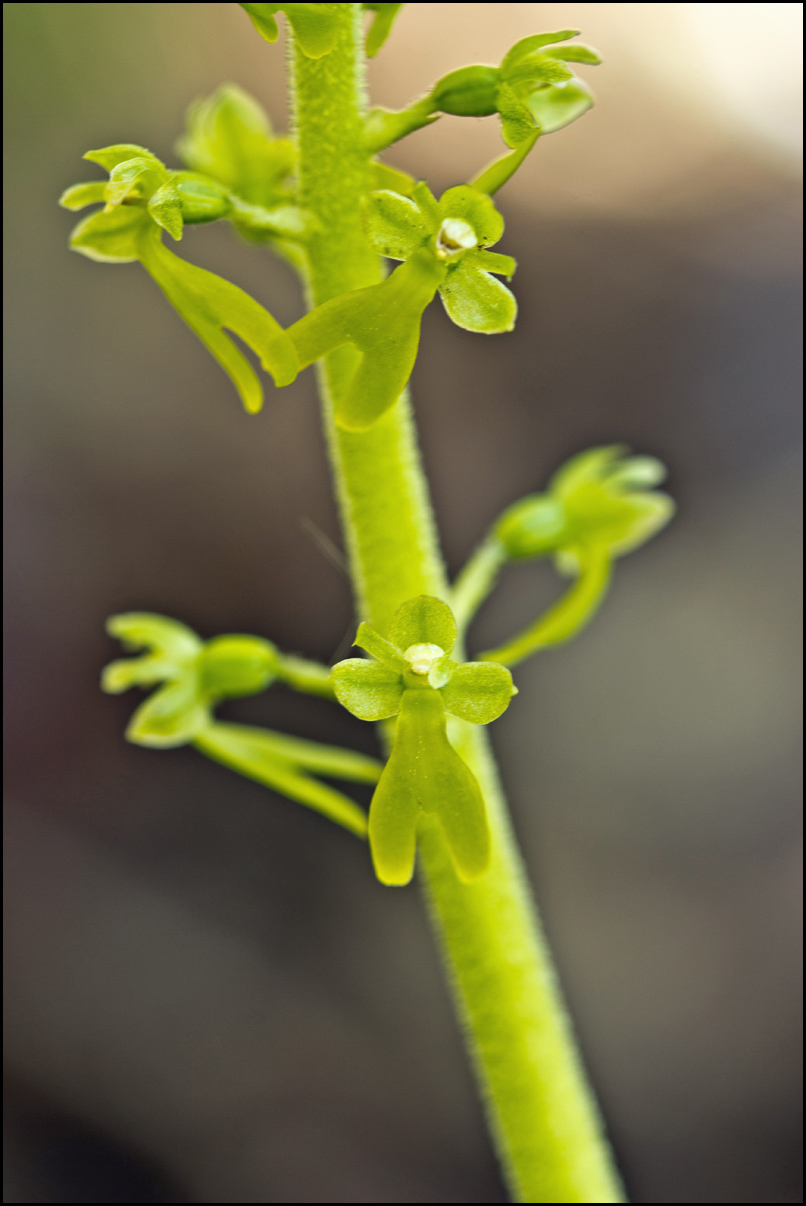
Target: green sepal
{"points": [[394, 225], [492, 261], [208, 304], [423, 620], [644, 516], [172, 716], [134, 180], [111, 238], [478, 692], [165, 208], [425, 775], [138, 672], [469, 92], [475, 208], [557, 107], [286, 764], [382, 650], [476, 301], [237, 665], [173, 649], [517, 123], [367, 689], [229, 138], [381, 26], [80, 195], [110, 157], [427, 203], [536, 71], [314, 25], [578, 53], [635, 472], [144, 629], [584, 468], [528, 46]]}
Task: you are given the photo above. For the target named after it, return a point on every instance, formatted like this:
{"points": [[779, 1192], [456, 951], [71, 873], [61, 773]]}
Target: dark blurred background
{"points": [[209, 997]]}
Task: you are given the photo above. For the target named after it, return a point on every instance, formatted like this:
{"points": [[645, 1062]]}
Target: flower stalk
{"points": [[324, 203], [541, 1111]]}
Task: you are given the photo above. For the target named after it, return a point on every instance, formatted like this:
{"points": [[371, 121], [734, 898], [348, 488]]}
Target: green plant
{"points": [[328, 205]]}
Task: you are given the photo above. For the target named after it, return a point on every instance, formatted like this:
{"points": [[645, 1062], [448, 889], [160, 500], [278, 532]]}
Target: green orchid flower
{"points": [[229, 139], [599, 506], [533, 88], [141, 198], [195, 675], [413, 678], [444, 248], [533, 91]]}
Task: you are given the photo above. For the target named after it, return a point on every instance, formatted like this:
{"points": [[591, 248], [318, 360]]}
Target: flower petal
{"points": [[170, 717], [475, 208], [79, 195], [111, 238], [423, 620], [367, 689], [381, 649], [476, 301], [558, 105], [146, 629], [478, 692], [394, 225]]}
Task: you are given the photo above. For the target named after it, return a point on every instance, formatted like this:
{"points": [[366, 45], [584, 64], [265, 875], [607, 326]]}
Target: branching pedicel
{"points": [[325, 203]]}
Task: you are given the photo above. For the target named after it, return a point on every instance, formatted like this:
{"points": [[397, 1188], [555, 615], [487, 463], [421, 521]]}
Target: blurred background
{"points": [[209, 997]]}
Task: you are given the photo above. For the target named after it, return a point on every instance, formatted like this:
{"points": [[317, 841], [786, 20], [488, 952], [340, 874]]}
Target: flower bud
{"points": [[468, 92], [201, 200], [534, 527], [236, 665]]}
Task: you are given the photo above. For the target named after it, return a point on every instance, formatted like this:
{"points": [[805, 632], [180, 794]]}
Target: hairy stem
{"points": [[542, 1115]]}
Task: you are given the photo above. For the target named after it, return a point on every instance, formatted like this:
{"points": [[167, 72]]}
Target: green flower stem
{"points": [[541, 1112], [496, 174], [476, 580], [560, 623], [303, 675]]}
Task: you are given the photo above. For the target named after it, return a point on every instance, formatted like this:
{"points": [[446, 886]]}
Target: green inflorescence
{"points": [[327, 204]]}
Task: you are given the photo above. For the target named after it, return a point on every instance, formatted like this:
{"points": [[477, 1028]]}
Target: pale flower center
{"points": [[455, 235], [421, 658]]}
